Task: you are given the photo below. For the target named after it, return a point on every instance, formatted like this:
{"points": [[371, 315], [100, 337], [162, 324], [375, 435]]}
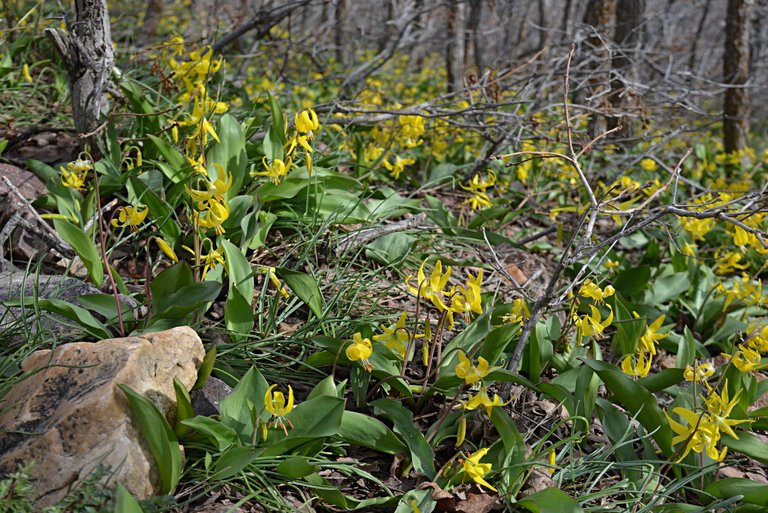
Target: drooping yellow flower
{"points": [[276, 404], [719, 408], [520, 312], [73, 176], [699, 433], [729, 262], [476, 470], [637, 365], [130, 216], [275, 171], [26, 74], [411, 129], [747, 359], [396, 168], [471, 373], [742, 237], [698, 228], [481, 399], [478, 201], [276, 282], [590, 290], [360, 349], [478, 183], [593, 325], [700, 374], [215, 213], [166, 248], [306, 121], [210, 260], [469, 298]]}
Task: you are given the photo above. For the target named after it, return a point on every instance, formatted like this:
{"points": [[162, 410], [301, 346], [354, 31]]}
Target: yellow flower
{"points": [[720, 408], [700, 374], [648, 341], [276, 171], [431, 288], [25, 73], [276, 282], [469, 299], [648, 164], [275, 403], [478, 201], [551, 460], [73, 176], [700, 434], [729, 262], [519, 313], [216, 212], [215, 189], [411, 129], [592, 291], [476, 470], [360, 349], [482, 399], [747, 359], [742, 237], [129, 216], [611, 264], [478, 183], [395, 337], [396, 168], [593, 325], [306, 121], [166, 248], [471, 373], [698, 228], [637, 365], [210, 260], [688, 250]]}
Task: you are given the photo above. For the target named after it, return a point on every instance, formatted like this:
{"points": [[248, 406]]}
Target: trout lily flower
{"points": [[432, 288], [395, 337], [476, 470], [481, 399], [360, 349], [276, 404], [471, 373], [590, 290], [700, 374], [593, 325], [130, 216], [648, 341]]}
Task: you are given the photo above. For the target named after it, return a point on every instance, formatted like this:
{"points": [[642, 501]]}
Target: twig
{"points": [[369, 234]]}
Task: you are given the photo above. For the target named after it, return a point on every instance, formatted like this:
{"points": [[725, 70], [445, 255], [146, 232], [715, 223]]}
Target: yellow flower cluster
{"points": [[74, 174], [478, 186], [639, 364]]}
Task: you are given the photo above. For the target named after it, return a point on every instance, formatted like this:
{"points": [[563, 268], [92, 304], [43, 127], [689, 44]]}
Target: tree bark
{"points": [[454, 50], [627, 36], [89, 58], [472, 54], [599, 16], [736, 75]]}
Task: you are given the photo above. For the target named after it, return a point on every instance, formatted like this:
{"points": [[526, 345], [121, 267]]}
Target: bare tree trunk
{"points": [[544, 25], [339, 14], [565, 23], [152, 15], [89, 58], [599, 16], [454, 51], [736, 74], [629, 23], [472, 54], [699, 29]]}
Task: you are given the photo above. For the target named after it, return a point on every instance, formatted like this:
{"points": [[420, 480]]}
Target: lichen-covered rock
{"points": [[69, 416]]}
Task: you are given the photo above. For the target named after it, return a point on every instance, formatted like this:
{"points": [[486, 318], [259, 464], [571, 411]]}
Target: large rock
{"points": [[71, 416]]}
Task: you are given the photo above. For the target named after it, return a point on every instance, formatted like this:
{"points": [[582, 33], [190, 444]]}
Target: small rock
{"points": [[206, 401], [69, 415]]}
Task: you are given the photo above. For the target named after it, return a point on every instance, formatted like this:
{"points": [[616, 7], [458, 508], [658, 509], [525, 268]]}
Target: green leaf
{"points": [[220, 435], [172, 156], [751, 491], [233, 461], [159, 211], [638, 401], [296, 467], [84, 247], [238, 270], [325, 387], [749, 445], [359, 429], [205, 369], [305, 287], [184, 408], [159, 436], [667, 287], [312, 420], [234, 409], [422, 456], [83, 317], [632, 280], [686, 349], [124, 501], [550, 500], [661, 380], [229, 153]]}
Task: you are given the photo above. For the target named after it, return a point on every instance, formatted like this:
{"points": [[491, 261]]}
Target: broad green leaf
{"points": [[159, 211], [234, 409], [752, 492], [83, 317], [296, 467], [186, 300], [686, 349], [638, 401], [172, 156], [422, 456], [550, 500], [325, 387], [661, 380], [220, 435], [105, 304], [238, 315], [125, 502], [233, 461], [305, 287], [666, 288], [632, 280], [312, 421], [238, 270], [749, 445], [359, 429], [84, 247], [159, 436]]}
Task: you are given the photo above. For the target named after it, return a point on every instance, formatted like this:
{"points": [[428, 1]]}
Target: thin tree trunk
{"points": [[629, 21], [565, 23], [454, 51], [699, 29], [599, 16], [736, 74], [544, 16], [339, 14], [472, 54], [89, 58]]}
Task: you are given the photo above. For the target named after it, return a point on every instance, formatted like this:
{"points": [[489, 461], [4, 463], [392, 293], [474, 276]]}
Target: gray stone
{"points": [[206, 401]]}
